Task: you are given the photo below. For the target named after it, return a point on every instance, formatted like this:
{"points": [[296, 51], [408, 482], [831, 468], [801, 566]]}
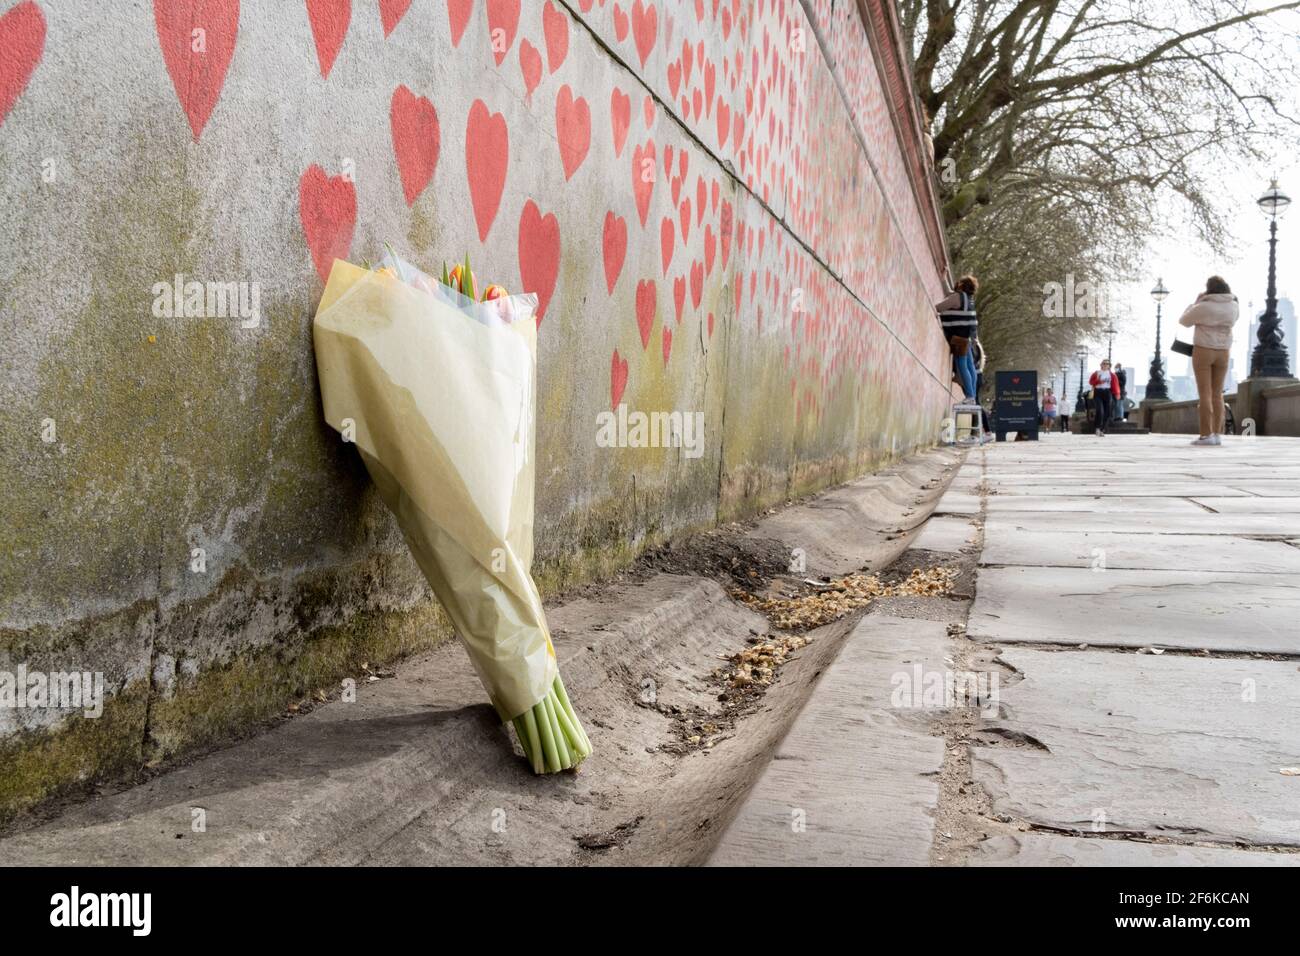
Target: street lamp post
{"points": [[1080, 404], [1065, 390], [1157, 388], [1111, 332], [1269, 359]]}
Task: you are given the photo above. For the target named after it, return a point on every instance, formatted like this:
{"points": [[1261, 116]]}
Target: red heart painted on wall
{"points": [[620, 24], [416, 140], [617, 379], [697, 283], [643, 178], [614, 247], [666, 241], [555, 27], [646, 293], [458, 12], [723, 120], [620, 118], [503, 21], [679, 296], [572, 129], [667, 339], [710, 249], [487, 154], [530, 65], [645, 24], [327, 208], [391, 12], [539, 254], [329, 25], [197, 40]]}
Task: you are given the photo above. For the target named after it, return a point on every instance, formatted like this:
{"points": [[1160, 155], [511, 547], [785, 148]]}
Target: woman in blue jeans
{"points": [[960, 325]]}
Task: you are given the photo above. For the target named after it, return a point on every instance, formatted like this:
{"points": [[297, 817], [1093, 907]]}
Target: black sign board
{"points": [[1015, 406]]}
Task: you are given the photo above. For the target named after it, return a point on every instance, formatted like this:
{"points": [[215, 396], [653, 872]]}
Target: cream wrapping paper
{"points": [[440, 397]]}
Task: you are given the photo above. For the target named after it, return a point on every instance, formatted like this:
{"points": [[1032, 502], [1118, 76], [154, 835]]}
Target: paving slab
{"points": [[1047, 849], [959, 503], [1175, 746], [1258, 505], [1066, 500], [855, 781], [1274, 526], [943, 533], [1125, 488], [1271, 488], [1159, 552], [1217, 610]]}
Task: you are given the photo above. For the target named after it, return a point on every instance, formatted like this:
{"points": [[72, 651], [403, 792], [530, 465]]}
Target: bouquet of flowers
{"points": [[436, 386]]}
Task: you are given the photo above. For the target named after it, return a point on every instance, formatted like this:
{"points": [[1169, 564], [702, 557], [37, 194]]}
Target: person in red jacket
{"points": [[1105, 385]]}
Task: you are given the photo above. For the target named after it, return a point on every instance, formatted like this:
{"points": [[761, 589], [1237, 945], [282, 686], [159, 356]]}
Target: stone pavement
{"points": [[1144, 592], [1137, 598]]}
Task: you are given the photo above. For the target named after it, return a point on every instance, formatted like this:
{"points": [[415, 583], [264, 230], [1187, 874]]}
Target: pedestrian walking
{"points": [[1121, 408], [1212, 315], [1049, 410], [1105, 388], [960, 322]]}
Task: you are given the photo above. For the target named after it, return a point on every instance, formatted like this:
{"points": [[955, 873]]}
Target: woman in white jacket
{"points": [[1213, 315]]}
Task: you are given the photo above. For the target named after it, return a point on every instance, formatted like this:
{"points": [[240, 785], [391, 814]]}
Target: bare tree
{"points": [[1058, 123]]}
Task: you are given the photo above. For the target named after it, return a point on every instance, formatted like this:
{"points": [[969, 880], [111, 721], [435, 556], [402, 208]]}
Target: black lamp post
{"points": [[1080, 403], [1157, 388], [1065, 382], [1269, 360], [1111, 332]]}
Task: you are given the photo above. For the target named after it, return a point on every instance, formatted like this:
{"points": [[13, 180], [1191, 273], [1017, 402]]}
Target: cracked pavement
{"points": [[1134, 615], [1140, 593]]}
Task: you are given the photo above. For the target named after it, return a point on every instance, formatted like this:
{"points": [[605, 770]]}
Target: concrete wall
{"points": [[1178, 418], [720, 203], [1274, 408], [1281, 410]]}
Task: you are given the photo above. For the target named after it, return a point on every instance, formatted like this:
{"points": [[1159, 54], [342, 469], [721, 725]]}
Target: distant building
{"points": [[1286, 312], [1182, 388]]}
